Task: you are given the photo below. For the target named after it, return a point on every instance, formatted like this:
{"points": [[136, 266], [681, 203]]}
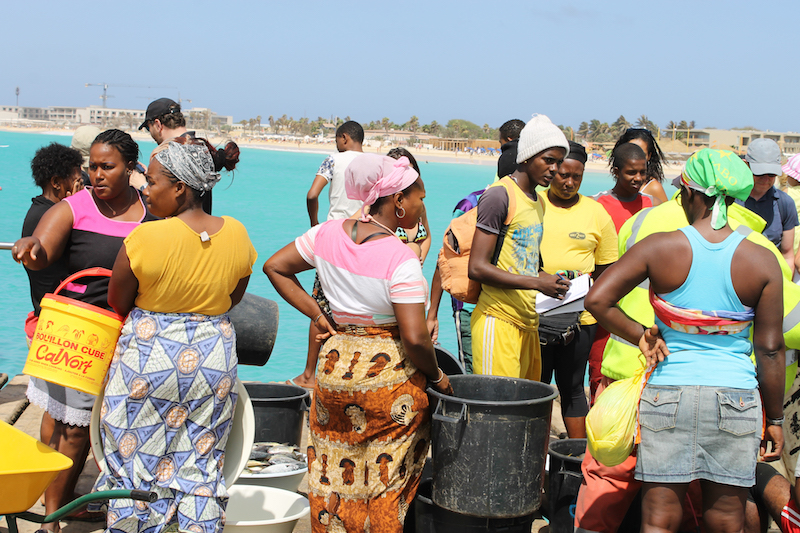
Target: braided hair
{"points": [[654, 170], [123, 142]]}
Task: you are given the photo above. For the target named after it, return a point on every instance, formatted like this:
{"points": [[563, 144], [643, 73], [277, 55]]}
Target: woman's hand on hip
{"points": [[325, 327]]}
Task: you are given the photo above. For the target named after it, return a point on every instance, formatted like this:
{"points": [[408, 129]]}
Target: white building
{"points": [[107, 117]]}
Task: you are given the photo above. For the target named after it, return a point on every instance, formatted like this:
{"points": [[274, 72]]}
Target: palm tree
{"points": [[385, 123], [567, 131], [318, 125], [258, 123], [600, 131], [304, 127], [413, 123], [646, 123], [620, 125], [583, 130], [132, 121], [271, 120], [670, 129], [435, 127]]}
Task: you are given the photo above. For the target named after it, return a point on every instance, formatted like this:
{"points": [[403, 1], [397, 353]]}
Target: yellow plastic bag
{"points": [[612, 422]]}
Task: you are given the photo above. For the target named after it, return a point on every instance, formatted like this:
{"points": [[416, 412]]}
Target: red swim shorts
{"points": [[790, 518]]}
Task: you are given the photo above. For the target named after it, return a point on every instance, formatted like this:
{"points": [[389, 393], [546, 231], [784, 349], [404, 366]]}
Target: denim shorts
{"points": [[693, 432]]}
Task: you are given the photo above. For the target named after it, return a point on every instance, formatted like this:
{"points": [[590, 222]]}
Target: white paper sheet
{"points": [[573, 300]]}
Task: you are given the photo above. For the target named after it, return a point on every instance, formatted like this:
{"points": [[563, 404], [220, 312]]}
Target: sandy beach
{"points": [[423, 155]]}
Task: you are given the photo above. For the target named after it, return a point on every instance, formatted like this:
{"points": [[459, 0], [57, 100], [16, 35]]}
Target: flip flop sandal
{"points": [[292, 382]]}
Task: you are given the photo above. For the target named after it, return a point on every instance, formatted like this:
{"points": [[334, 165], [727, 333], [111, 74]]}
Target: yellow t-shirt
{"points": [[178, 273], [519, 255], [578, 238]]}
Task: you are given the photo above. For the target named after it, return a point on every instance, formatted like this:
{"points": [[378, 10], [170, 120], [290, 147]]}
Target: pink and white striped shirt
{"points": [[362, 281]]}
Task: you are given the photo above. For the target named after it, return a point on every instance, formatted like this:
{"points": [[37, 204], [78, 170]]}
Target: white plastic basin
{"points": [[283, 480], [253, 509]]}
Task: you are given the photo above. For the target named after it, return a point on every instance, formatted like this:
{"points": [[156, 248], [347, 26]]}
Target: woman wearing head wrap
{"points": [[170, 391], [86, 230], [579, 238], [792, 171], [701, 411], [370, 406]]}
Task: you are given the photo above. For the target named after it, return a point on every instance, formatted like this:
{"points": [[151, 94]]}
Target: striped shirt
{"points": [[362, 281]]}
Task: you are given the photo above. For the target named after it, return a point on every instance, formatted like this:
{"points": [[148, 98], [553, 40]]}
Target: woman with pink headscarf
{"points": [[370, 421]]}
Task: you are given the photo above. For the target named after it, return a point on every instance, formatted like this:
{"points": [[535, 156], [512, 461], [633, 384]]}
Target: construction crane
{"points": [[105, 87], [104, 98]]}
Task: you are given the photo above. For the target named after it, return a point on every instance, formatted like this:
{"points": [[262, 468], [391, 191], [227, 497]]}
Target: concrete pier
{"points": [[17, 411]]}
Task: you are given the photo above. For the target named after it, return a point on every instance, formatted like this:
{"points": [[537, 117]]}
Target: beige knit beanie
{"points": [[538, 135]]}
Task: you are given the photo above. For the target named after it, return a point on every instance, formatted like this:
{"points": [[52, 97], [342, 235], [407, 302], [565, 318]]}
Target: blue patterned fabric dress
{"points": [[165, 421]]}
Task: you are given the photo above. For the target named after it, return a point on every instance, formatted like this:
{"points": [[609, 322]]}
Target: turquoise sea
{"points": [[267, 194]]}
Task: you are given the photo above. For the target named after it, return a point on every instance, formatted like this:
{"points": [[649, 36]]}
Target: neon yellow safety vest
{"points": [[621, 358]]}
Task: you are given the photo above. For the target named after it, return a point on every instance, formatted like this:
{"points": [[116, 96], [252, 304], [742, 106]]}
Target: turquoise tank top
{"points": [[707, 360]]}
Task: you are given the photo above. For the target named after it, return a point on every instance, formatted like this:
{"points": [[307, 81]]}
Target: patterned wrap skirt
{"points": [[370, 432], [165, 420]]}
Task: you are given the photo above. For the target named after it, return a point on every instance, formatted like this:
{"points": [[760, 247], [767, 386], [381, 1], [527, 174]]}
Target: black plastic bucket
{"points": [[565, 481], [448, 362], [430, 518], [279, 411], [423, 508], [255, 320], [489, 443], [418, 517]]}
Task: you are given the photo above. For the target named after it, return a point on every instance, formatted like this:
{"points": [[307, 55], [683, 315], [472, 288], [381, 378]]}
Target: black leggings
{"points": [[569, 363]]}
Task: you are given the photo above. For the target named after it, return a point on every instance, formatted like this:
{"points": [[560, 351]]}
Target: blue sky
{"points": [[721, 64]]}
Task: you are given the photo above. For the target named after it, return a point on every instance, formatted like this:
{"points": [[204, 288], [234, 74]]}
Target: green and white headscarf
{"points": [[718, 173]]}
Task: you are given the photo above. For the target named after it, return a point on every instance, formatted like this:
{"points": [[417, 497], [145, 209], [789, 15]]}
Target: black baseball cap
{"points": [[159, 108]]}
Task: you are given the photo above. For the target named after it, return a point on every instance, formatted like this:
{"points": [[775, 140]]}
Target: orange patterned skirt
{"points": [[370, 432]]}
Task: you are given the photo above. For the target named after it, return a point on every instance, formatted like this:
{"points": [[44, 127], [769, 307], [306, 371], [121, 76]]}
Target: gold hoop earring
{"points": [[398, 214]]}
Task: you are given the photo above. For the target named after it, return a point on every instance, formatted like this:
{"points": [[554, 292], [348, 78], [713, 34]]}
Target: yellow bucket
{"points": [[27, 467], [74, 341]]}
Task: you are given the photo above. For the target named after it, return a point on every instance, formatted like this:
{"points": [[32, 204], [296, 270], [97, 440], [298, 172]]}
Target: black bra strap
{"points": [[368, 237], [354, 233]]}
